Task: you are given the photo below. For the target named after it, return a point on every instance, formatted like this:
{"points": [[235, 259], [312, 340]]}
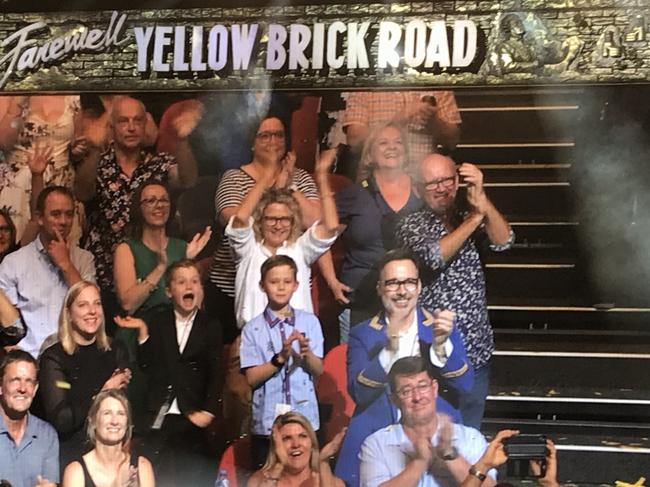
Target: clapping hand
{"points": [[198, 243], [119, 379], [473, 178], [325, 161], [333, 446], [285, 175], [443, 325]]}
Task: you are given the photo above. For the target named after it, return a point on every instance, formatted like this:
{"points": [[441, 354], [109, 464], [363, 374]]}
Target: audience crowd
{"points": [[129, 357]]}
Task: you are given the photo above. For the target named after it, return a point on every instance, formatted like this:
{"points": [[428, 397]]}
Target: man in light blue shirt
{"points": [[425, 449], [36, 277], [29, 447]]}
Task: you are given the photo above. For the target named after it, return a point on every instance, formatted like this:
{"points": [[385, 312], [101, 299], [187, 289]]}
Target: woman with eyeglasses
{"points": [[110, 462], [141, 261], [270, 149], [369, 212], [139, 269], [269, 222]]}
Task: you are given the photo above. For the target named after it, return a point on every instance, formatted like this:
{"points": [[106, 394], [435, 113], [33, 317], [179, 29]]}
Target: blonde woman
{"points": [[269, 222], [369, 212], [109, 463], [80, 364], [294, 457]]}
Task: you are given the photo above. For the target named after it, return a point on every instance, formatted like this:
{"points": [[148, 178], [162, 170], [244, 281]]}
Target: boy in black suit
{"points": [[180, 349]]}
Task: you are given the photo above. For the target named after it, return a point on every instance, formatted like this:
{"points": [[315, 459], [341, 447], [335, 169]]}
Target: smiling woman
{"points": [[82, 363], [294, 457], [108, 429]]}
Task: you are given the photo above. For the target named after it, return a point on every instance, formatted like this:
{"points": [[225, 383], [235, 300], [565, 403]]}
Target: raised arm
{"points": [[177, 123], [250, 201], [329, 224], [496, 226]]}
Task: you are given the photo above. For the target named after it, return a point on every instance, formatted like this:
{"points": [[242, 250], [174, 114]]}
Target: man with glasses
{"points": [[401, 330], [424, 448], [446, 237]]}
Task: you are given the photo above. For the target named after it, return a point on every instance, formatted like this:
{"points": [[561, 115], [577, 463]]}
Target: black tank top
{"points": [[88, 480]]}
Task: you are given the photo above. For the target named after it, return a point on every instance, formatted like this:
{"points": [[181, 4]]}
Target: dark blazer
{"points": [[195, 376]]}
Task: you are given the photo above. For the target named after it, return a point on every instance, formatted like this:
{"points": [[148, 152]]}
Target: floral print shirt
{"points": [[458, 285], [112, 205]]}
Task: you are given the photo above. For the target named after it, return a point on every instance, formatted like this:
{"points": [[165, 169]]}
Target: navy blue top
{"points": [[370, 228]]}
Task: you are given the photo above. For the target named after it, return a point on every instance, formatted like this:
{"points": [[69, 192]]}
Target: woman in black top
{"points": [[109, 463], [80, 364]]}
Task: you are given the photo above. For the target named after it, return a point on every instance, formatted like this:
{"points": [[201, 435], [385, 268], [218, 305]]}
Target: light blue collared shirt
{"points": [[259, 342], [387, 452], [37, 454], [36, 287]]}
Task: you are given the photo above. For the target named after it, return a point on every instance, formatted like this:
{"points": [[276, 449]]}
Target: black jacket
{"points": [[195, 376]]}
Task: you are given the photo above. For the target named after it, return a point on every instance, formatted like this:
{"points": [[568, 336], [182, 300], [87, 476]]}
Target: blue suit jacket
{"points": [[368, 385]]}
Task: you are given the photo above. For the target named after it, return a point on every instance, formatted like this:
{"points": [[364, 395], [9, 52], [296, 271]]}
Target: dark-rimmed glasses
{"points": [[445, 183], [410, 284]]}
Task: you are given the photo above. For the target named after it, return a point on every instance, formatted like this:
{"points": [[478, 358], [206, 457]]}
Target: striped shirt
{"points": [[233, 187]]}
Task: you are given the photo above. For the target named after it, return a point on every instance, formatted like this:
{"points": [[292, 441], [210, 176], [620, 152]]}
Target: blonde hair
{"points": [[282, 197], [366, 164], [297, 418], [65, 321], [91, 420]]}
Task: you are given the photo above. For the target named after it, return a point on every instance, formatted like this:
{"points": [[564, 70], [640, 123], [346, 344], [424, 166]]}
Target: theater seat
{"points": [[335, 403], [236, 461]]}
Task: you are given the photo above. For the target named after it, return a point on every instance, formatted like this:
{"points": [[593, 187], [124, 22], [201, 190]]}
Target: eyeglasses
{"points": [[274, 220], [410, 284], [445, 183], [267, 136], [422, 387], [5, 228], [152, 202]]}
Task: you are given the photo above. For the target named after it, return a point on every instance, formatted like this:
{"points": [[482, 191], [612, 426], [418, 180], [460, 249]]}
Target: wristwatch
{"points": [[477, 473], [275, 361]]}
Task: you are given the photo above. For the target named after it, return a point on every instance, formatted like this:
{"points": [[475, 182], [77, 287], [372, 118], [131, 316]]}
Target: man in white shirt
{"points": [[425, 448], [36, 277]]}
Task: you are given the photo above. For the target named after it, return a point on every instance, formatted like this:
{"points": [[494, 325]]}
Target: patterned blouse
{"points": [[113, 202], [458, 285]]}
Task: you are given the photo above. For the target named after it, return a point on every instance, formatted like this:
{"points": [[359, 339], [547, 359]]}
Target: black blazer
{"points": [[195, 376]]}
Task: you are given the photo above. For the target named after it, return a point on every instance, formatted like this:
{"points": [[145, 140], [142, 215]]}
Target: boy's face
{"points": [[279, 284], [185, 290]]}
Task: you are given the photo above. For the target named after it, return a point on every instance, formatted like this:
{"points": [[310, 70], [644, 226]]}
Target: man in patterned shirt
{"points": [[121, 169], [431, 118], [445, 239]]}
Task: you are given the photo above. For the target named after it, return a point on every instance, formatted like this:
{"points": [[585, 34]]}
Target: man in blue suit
{"points": [[402, 329]]}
